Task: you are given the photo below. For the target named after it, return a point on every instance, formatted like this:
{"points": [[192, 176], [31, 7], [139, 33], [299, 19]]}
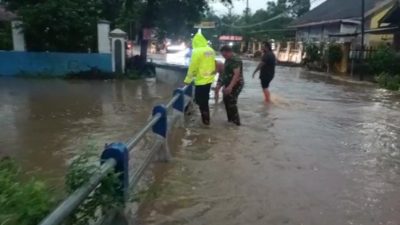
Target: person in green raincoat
{"points": [[202, 71]]}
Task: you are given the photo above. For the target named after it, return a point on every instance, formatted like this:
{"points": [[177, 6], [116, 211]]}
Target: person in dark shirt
{"points": [[232, 81], [267, 70]]}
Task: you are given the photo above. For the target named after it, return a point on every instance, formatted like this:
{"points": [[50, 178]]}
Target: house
{"points": [[374, 35], [386, 25], [331, 17], [381, 26]]}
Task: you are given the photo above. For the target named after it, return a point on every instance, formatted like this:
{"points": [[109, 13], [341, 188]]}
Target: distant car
{"points": [[176, 48]]}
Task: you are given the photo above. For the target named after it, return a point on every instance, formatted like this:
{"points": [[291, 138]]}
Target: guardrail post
{"points": [[119, 152], [189, 93], [179, 105], [160, 129]]}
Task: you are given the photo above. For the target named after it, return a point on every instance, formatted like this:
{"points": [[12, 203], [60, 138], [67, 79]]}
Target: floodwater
{"points": [[45, 123], [326, 152]]}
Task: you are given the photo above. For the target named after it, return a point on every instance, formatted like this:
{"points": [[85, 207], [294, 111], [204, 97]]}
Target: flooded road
{"points": [[326, 152], [44, 123]]}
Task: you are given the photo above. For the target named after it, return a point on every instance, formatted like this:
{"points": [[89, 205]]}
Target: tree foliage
{"points": [[70, 25], [59, 25], [299, 7], [385, 60], [5, 36], [335, 53], [279, 14]]}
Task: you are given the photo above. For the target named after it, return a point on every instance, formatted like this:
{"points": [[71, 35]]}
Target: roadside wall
{"points": [[170, 74], [289, 52], [51, 64]]}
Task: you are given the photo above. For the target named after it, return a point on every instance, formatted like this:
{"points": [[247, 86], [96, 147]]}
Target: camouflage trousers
{"points": [[230, 102]]}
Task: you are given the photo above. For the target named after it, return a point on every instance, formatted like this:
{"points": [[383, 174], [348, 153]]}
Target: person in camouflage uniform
{"points": [[232, 81]]}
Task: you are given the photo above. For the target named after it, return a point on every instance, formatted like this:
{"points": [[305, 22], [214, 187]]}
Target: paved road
{"points": [[325, 152]]}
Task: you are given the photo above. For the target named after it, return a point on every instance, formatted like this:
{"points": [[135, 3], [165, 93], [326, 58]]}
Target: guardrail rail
{"points": [[116, 156]]}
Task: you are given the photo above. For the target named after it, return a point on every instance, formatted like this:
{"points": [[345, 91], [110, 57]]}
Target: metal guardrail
{"points": [[116, 156]]}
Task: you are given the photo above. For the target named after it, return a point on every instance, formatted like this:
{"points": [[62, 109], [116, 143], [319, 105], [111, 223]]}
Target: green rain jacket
{"points": [[202, 65]]}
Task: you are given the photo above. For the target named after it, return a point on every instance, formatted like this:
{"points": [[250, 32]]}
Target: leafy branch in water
{"points": [[105, 198]]}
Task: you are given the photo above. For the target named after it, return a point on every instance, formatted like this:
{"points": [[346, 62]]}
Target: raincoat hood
{"points": [[202, 64], [199, 41]]}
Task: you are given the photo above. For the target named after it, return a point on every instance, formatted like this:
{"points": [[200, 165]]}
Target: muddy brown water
{"points": [[45, 123], [325, 152]]}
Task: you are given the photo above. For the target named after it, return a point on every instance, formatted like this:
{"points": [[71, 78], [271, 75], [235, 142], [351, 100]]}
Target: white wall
{"points": [[348, 29], [104, 43], [319, 33], [18, 36]]}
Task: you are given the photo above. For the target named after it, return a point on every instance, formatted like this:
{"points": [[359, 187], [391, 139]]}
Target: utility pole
{"points": [[362, 38], [247, 19], [247, 9], [230, 8]]}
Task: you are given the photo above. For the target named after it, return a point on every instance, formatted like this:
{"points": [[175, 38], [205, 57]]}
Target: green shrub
{"points": [[334, 53], [384, 60], [27, 203], [313, 53], [382, 79], [390, 82], [22, 203]]}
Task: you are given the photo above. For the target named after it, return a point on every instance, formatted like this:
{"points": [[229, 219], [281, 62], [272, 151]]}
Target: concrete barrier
{"points": [[171, 74]]}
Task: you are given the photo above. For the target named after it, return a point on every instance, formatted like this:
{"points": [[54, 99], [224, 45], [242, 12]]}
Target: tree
{"points": [[299, 7], [70, 25], [59, 25], [276, 8], [112, 9], [5, 36], [174, 17]]}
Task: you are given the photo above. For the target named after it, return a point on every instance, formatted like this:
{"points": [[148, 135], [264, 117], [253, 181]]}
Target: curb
{"points": [[339, 78]]}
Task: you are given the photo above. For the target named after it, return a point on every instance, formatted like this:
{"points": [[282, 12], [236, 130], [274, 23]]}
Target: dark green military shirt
{"points": [[230, 65]]}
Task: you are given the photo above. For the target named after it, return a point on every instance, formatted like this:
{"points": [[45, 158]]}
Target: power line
{"points": [[254, 25], [271, 30], [281, 15]]}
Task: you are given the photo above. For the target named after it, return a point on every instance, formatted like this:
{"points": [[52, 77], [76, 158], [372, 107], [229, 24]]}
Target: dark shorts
{"points": [[265, 81]]}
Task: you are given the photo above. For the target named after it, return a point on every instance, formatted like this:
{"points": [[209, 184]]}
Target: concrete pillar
{"points": [[118, 40], [242, 47], [300, 52], [288, 49], [277, 49], [254, 47], [103, 39], [344, 62], [260, 46], [18, 36]]}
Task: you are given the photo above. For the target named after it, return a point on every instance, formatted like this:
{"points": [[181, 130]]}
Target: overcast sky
{"points": [[240, 5]]}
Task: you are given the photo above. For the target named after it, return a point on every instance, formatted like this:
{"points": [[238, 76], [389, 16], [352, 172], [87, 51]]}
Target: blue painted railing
{"points": [[116, 156]]}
